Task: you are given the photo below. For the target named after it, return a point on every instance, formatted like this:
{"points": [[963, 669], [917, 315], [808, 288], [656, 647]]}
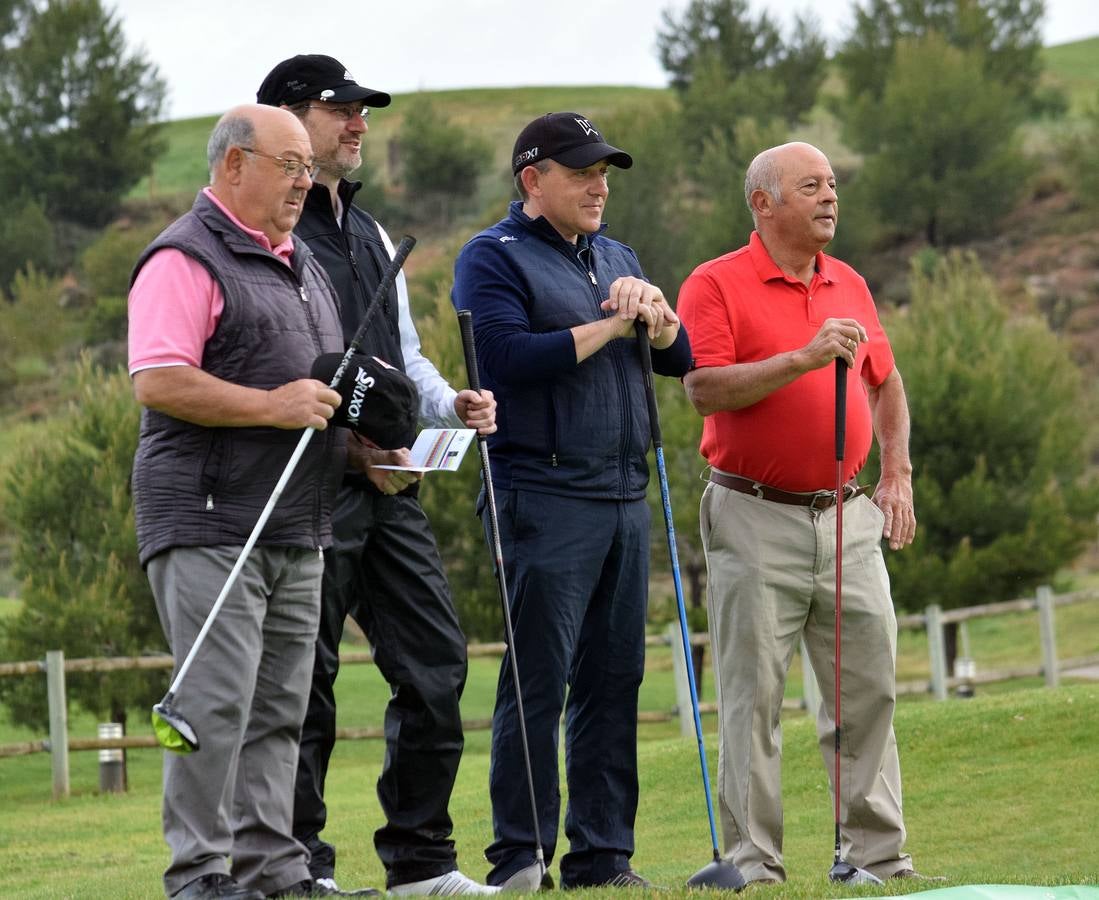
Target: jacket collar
{"points": [[545, 230], [240, 239], [319, 198]]}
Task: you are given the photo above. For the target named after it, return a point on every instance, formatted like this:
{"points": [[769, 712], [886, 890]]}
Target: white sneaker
{"points": [[329, 883], [527, 880], [450, 883]]}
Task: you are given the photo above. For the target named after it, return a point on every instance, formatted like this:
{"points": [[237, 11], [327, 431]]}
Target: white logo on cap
{"points": [[363, 383], [327, 94], [589, 129]]}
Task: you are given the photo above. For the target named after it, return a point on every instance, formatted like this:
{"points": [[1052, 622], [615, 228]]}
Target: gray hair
{"points": [[543, 166], [763, 175], [231, 131]]}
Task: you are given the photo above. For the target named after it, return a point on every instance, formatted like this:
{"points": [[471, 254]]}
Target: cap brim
{"points": [[352, 92], [588, 154]]}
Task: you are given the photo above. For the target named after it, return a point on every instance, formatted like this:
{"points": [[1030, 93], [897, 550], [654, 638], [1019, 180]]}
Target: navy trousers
{"points": [[383, 570], [577, 572]]}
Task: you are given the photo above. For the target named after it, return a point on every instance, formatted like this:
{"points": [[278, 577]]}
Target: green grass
{"points": [[999, 789], [495, 114], [1074, 67]]}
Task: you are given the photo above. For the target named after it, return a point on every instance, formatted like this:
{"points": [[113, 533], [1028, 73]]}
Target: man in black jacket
{"points": [[383, 568]]}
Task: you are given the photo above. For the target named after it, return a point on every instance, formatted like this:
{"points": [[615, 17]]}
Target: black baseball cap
{"points": [[314, 76], [567, 138], [379, 402]]}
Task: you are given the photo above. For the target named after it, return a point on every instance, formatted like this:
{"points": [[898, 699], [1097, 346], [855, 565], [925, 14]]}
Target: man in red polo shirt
{"points": [[767, 322]]}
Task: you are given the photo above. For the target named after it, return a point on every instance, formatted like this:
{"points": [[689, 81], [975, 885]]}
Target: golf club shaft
{"points": [[465, 325], [684, 631], [841, 432], [384, 285]]}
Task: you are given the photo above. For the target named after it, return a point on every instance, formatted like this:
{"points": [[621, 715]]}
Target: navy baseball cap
{"points": [[567, 138], [314, 76]]}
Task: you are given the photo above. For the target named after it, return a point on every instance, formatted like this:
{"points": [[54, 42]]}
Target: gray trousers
{"points": [[228, 807], [771, 580]]}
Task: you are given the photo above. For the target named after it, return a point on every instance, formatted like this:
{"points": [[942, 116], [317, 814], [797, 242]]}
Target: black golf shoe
{"points": [[216, 884], [311, 888]]}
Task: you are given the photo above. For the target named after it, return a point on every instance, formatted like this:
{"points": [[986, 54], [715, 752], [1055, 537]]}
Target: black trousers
{"points": [[384, 570]]}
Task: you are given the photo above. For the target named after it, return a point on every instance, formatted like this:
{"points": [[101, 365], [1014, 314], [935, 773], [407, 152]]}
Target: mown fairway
{"points": [[999, 789]]}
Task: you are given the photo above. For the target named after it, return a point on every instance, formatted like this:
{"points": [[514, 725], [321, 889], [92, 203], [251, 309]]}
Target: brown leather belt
{"points": [[814, 499]]}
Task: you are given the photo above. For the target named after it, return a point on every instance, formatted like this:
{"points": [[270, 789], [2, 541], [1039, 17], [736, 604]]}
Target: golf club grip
{"points": [[469, 348], [378, 300], [644, 351], [841, 406]]}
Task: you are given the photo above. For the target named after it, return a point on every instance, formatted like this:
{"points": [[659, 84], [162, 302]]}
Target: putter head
{"points": [[849, 874], [720, 875], [173, 731]]}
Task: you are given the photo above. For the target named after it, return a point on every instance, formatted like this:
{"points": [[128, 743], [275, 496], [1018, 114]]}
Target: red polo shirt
{"points": [[741, 308]]}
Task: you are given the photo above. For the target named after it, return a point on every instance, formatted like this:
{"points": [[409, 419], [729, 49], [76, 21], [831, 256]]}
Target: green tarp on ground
{"points": [[1006, 892]]}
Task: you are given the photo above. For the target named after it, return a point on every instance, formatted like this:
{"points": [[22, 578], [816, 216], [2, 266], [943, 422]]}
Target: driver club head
{"points": [[719, 874], [849, 874], [173, 732]]}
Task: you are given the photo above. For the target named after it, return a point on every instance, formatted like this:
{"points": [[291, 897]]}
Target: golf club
{"points": [[465, 326], [172, 730], [720, 873], [841, 870]]}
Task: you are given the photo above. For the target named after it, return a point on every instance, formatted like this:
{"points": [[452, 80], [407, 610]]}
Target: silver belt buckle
{"points": [[824, 498]]}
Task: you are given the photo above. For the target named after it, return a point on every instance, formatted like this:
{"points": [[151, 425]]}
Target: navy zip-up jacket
{"points": [[562, 428]]}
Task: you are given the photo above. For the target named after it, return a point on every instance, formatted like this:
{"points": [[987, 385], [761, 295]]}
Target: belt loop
{"points": [[758, 488]]}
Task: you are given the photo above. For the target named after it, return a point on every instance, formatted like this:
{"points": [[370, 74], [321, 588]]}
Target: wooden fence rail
{"points": [[933, 620]]}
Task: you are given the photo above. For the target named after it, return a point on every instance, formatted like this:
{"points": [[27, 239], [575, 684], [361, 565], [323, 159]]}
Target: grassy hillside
{"points": [[997, 790], [496, 114], [1075, 68]]}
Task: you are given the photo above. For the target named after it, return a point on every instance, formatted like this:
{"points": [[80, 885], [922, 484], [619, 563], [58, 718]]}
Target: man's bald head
{"points": [[244, 126], [791, 191], [766, 170], [260, 157]]}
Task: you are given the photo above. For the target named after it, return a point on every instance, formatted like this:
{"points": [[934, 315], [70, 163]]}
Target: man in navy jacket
{"points": [[554, 306]]}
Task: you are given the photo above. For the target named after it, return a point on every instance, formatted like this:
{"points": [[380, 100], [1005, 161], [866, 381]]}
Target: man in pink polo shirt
{"points": [[767, 323], [227, 313]]}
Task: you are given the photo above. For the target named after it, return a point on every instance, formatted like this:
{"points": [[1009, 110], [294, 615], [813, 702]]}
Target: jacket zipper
{"points": [[623, 393]]}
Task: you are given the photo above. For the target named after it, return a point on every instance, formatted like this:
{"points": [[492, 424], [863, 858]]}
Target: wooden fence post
{"points": [[682, 687], [936, 650], [809, 687], [59, 722], [1049, 636]]}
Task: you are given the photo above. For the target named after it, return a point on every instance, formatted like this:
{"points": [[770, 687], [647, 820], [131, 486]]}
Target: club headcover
{"points": [[380, 402]]}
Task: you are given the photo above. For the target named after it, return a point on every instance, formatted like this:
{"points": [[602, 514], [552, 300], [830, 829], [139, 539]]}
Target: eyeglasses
{"points": [[343, 113], [291, 168]]}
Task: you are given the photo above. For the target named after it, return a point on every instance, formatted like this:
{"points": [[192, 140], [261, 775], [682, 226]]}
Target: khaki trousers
{"points": [[771, 580]]}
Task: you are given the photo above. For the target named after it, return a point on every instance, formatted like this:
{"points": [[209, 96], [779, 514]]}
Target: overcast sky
{"points": [[214, 53]]}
